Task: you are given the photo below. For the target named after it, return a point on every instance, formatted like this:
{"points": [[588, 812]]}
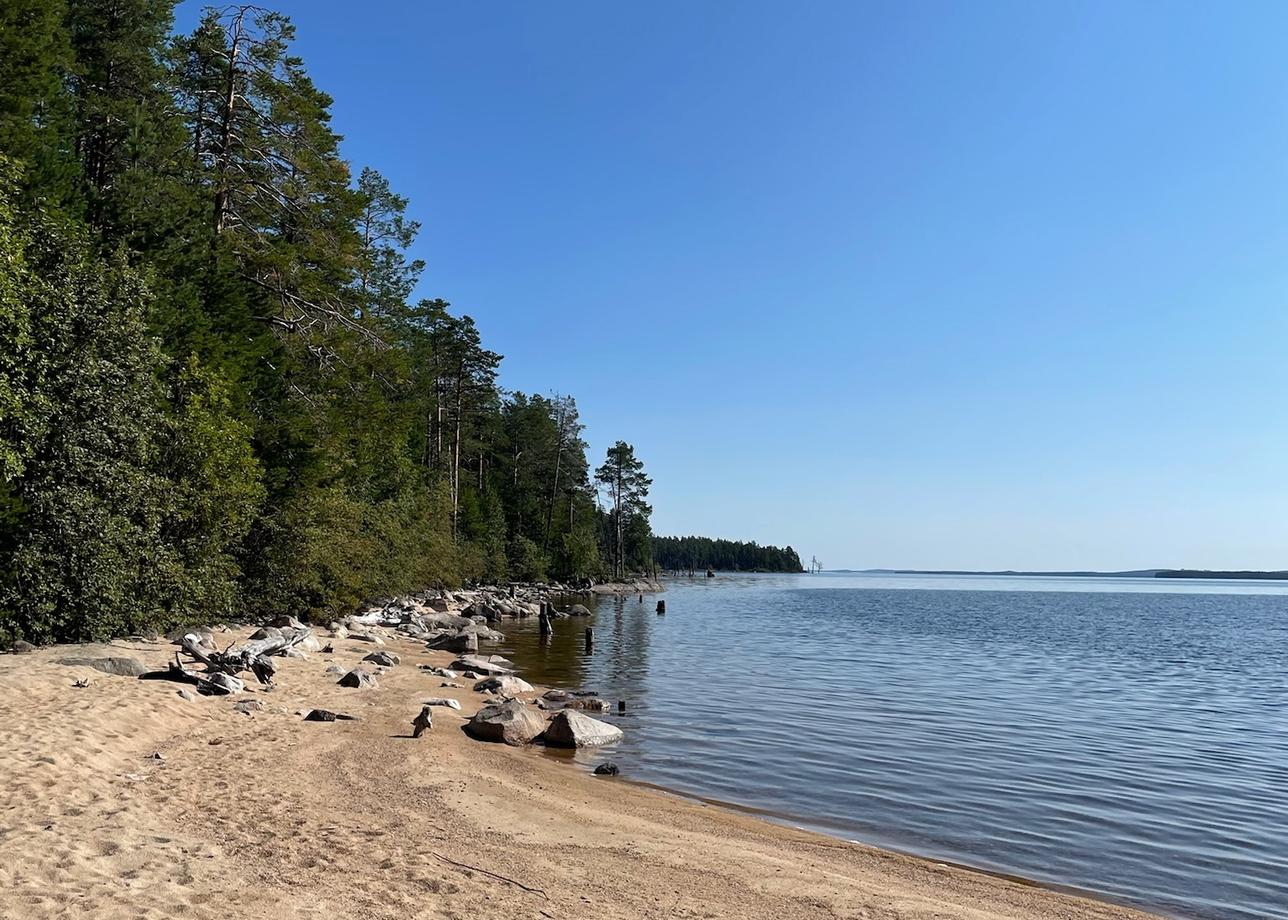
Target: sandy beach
{"points": [[267, 816]]}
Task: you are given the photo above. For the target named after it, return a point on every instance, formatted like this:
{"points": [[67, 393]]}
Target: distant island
{"points": [[700, 553], [1134, 573]]}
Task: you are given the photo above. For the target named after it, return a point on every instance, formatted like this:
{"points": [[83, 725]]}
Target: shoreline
{"points": [[259, 815]]}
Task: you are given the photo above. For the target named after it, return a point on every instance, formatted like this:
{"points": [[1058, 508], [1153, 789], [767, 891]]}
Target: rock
{"points": [[556, 695], [457, 642], [439, 672], [481, 665], [326, 715], [607, 769], [507, 684], [571, 729], [589, 703], [156, 755], [367, 637], [121, 667], [442, 701], [246, 707], [186, 695], [287, 623], [423, 722], [294, 652], [20, 647], [357, 678], [221, 684], [448, 683], [266, 632], [335, 669], [310, 643], [578, 610], [383, 659], [509, 722], [338, 631]]}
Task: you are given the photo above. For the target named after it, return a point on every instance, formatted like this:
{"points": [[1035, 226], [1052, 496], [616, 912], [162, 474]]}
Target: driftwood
{"points": [[216, 684], [254, 656]]}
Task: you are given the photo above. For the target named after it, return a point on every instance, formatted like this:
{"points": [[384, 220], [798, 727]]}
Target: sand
{"points": [[267, 816]]}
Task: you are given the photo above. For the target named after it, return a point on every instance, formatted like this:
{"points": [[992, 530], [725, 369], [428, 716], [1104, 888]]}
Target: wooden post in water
{"points": [[621, 705], [661, 607], [543, 621], [590, 639]]}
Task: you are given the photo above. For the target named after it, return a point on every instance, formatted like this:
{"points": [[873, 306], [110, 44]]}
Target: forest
{"points": [[219, 396], [698, 553]]}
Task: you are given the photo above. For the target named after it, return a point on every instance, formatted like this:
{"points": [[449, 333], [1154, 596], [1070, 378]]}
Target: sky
{"points": [[923, 285]]}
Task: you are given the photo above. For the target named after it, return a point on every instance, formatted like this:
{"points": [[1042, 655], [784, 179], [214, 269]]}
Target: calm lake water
{"points": [[1123, 736]]}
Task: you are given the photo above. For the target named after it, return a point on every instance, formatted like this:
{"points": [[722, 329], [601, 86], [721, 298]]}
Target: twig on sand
{"points": [[495, 875]]}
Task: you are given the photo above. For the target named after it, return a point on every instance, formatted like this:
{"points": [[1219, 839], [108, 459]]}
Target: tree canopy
{"points": [[219, 395]]}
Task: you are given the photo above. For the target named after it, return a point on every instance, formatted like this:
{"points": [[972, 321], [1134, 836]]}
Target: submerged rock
{"points": [[607, 769], [569, 728], [509, 722]]}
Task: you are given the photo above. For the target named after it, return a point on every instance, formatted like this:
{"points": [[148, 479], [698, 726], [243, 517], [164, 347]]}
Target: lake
{"points": [[1123, 736]]}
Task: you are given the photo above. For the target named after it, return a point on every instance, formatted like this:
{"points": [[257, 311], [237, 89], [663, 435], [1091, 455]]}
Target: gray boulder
{"points": [[504, 683], [357, 678], [571, 729], [481, 665], [578, 610], [458, 642], [121, 667], [221, 684], [383, 659], [441, 701], [509, 722]]}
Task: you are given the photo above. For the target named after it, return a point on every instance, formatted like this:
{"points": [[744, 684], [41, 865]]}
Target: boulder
{"points": [[21, 647], [441, 701], [578, 610], [480, 665], [357, 678], [186, 695], [607, 769], [571, 729], [221, 684], [383, 659], [266, 632], [246, 707], [509, 722], [121, 667], [326, 715], [589, 703], [457, 642], [287, 622], [310, 643], [507, 684]]}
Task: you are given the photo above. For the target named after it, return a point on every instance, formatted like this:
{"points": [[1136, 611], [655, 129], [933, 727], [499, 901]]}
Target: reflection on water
{"points": [[1119, 735]]}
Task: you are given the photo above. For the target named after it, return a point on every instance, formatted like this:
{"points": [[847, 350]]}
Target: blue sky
{"points": [[962, 285]]}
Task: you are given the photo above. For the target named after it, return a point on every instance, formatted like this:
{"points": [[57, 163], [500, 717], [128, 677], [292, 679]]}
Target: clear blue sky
{"points": [[969, 285]]}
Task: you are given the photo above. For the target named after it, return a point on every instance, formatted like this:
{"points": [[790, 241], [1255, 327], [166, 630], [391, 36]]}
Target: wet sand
{"points": [[267, 816]]}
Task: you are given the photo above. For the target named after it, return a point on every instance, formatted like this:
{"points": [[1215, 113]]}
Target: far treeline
{"points": [[218, 397], [697, 553]]}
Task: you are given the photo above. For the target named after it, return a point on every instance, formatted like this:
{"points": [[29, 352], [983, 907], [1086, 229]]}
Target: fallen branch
{"points": [[495, 875]]}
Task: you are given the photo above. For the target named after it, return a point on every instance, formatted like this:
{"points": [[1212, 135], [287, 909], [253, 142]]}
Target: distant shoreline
{"points": [[1229, 575]]}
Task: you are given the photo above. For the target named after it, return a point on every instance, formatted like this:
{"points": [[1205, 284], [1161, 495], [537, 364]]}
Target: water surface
{"points": [[1125, 736]]}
